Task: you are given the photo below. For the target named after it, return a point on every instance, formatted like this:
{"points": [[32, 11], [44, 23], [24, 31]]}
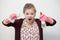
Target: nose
{"points": [[30, 15]]}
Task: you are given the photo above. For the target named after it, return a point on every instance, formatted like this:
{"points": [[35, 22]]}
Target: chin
{"points": [[30, 21]]}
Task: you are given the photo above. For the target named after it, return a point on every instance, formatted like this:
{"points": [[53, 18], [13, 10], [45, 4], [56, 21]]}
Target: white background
{"points": [[48, 7]]}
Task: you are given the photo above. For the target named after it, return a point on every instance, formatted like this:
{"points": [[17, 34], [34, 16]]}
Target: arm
{"points": [[10, 21], [6, 22], [51, 24], [48, 20]]}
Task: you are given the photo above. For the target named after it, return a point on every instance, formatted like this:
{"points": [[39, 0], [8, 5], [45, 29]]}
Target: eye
{"points": [[27, 13], [32, 13]]}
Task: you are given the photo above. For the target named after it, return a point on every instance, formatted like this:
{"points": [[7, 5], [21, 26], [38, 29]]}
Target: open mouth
{"points": [[30, 19]]}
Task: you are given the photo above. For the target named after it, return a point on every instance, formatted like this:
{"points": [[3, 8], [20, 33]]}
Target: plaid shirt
{"points": [[29, 32]]}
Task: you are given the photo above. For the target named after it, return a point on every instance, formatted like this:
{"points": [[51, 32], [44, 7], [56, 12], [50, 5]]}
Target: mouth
{"points": [[29, 19]]}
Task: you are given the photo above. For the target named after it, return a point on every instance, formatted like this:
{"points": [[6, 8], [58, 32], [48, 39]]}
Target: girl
{"points": [[28, 28]]}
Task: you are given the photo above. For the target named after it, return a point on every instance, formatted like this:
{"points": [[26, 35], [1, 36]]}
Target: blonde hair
{"points": [[28, 6]]}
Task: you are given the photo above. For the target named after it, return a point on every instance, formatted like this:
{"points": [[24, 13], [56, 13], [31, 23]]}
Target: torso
{"points": [[29, 33]]}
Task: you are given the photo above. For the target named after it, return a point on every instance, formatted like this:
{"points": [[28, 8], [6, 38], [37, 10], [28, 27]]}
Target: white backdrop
{"points": [[48, 7]]}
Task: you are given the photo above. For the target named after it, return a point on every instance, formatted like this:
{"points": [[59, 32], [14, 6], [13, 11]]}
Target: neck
{"points": [[30, 23]]}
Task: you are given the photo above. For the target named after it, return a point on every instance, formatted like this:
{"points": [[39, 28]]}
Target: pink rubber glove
{"points": [[11, 19], [13, 16], [45, 18], [6, 21]]}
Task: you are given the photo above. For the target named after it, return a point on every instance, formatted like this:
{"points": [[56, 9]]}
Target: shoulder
{"points": [[37, 20], [19, 20]]}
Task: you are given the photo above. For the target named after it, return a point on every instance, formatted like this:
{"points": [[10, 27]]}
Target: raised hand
{"points": [[45, 18], [42, 17], [12, 17]]}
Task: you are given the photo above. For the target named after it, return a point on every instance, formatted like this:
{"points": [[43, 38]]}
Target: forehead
{"points": [[29, 10]]}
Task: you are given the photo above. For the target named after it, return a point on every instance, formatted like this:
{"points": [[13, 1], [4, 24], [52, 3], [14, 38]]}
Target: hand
{"points": [[45, 18], [6, 21], [42, 17], [13, 16]]}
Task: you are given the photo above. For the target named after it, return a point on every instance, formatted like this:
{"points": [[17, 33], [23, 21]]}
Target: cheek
{"points": [[33, 16], [26, 16]]}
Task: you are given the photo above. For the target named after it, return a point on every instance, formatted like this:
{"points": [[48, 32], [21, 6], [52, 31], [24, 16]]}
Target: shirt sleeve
{"points": [[8, 25], [48, 24]]}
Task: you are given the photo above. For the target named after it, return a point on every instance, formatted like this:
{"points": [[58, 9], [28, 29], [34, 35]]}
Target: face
{"points": [[29, 15]]}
